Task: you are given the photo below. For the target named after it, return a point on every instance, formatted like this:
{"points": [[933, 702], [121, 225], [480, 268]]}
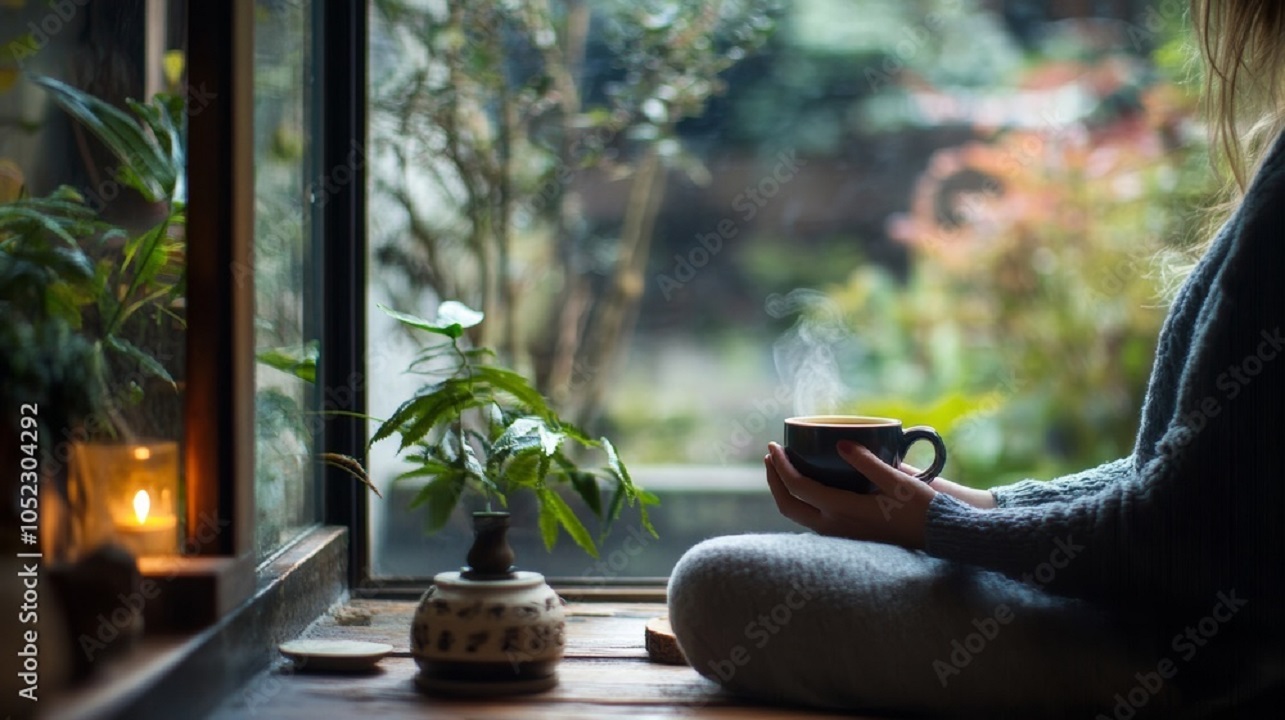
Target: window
{"points": [[286, 332], [690, 223]]}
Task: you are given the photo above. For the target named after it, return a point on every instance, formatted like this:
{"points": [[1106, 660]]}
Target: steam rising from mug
{"points": [[807, 356]]}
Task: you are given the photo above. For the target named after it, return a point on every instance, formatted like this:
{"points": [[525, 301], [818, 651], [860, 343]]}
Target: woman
{"points": [[1151, 584]]}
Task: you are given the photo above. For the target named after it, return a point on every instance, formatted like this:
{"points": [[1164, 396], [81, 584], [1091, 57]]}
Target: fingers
{"points": [[804, 488], [789, 506], [883, 475]]}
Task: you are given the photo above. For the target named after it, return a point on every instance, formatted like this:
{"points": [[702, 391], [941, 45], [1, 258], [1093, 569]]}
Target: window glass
{"points": [[285, 490], [688, 222]]}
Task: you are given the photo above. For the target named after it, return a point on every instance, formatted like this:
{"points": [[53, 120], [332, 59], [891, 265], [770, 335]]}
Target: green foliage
{"points": [[1041, 261], [475, 425], [149, 146], [62, 269], [494, 115], [300, 362]]}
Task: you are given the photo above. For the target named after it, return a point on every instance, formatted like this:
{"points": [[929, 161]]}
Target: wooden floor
{"points": [[604, 674]]}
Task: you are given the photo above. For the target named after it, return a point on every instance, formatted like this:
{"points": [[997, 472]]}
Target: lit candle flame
{"points": [[142, 453], [142, 503]]}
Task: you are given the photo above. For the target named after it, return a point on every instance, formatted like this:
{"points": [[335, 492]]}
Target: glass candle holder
{"points": [[139, 485]]}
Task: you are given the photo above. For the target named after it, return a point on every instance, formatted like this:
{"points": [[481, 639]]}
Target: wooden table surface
{"points": [[605, 674]]}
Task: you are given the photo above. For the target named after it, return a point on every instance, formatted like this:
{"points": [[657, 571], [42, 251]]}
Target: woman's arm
{"points": [[982, 499], [1205, 510], [1035, 492], [1064, 489]]}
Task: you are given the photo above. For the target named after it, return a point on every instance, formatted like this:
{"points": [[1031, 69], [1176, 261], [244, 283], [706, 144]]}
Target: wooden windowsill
{"points": [[605, 673], [187, 675]]}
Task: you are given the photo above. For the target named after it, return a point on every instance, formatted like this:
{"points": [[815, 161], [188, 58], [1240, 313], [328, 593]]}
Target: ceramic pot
{"points": [[488, 629]]}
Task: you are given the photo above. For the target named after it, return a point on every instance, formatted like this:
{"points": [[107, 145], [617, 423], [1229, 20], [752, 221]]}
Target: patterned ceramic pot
{"points": [[492, 635], [489, 630]]}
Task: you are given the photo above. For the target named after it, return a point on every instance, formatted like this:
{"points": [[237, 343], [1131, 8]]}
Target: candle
{"points": [[133, 492], [148, 533]]}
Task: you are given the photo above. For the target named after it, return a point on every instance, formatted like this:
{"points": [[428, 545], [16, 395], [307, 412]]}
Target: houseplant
{"points": [[476, 426], [65, 266], [77, 294]]}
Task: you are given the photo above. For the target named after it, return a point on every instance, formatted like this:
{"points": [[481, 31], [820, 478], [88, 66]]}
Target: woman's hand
{"points": [[895, 515]]}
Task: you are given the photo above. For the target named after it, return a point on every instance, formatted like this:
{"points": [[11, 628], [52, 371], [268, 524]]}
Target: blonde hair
{"points": [[1243, 45]]}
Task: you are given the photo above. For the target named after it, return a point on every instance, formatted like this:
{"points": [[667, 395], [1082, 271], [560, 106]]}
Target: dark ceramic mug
{"points": [[810, 442]]}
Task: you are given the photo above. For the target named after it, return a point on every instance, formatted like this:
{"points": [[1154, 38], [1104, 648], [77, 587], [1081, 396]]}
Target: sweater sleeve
{"points": [[1069, 487], [1204, 510]]}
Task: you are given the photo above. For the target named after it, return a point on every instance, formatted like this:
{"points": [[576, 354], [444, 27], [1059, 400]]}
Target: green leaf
{"points": [[524, 469], [522, 432], [61, 302], [143, 166], [616, 506], [473, 467], [519, 388], [567, 518], [548, 525], [15, 213], [440, 407], [457, 313], [586, 486], [441, 495], [300, 361], [146, 361], [452, 319], [71, 263], [550, 440], [428, 467], [577, 434], [407, 411], [617, 468]]}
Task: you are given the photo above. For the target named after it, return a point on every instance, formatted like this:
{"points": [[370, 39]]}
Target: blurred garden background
{"points": [[687, 220], [690, 220]]}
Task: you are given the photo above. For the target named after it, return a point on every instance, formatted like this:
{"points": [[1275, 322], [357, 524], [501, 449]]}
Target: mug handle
{"points": [[923, 432]]}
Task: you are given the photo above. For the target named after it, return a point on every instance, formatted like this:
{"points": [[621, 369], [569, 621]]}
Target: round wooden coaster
{"points": [[662, 646], [334, 655]]}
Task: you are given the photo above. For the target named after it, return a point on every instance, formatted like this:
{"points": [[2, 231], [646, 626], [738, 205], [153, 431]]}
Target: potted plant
{"points": [[76, 293], [475, 426]]}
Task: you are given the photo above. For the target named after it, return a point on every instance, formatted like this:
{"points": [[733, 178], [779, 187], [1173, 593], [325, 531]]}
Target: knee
{"points": [[707, 575], [718, 589], [700, 589]]}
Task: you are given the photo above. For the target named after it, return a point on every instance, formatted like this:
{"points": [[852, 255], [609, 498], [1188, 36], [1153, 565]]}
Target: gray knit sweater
{"points": [[1199, 507]]}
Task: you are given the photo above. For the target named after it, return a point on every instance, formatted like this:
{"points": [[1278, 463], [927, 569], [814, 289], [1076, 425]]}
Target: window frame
{"points": [[219, 395], [340, 218], [219, 401]]}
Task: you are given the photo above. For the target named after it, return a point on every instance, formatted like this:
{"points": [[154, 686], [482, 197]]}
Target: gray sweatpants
{"points": [[828, 622]]}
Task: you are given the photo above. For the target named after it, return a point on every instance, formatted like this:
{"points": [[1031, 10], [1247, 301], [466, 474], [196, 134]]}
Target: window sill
{"points": [[189, 675], [604, 673]]}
